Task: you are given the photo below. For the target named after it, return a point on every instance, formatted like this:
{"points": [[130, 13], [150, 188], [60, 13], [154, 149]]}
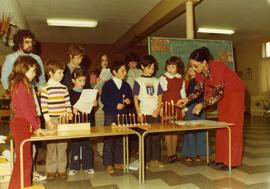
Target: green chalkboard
{"points": [[163, 48]]}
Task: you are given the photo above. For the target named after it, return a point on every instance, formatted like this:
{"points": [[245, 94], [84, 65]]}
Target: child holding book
{"points": [[79, 80]]}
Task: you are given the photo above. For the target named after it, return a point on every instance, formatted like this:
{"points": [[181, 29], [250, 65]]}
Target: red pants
{"points": [[20, 130]]}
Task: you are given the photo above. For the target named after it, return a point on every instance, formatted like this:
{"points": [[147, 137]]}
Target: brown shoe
{"points": [[63, 175], [51, 176], [119, 166], [109, 169]]}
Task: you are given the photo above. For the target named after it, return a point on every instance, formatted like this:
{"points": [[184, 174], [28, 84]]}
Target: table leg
{"points": [[207, 147], [143, 158], [21, 162], [124, 154], [230, 149]]}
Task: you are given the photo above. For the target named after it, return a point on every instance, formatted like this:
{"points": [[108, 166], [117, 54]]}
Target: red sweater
{"points": [[23, 104]]}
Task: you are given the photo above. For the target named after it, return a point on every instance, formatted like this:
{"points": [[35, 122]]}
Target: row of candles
{"points": [[168, 113], [76, 118], [130, 120]]}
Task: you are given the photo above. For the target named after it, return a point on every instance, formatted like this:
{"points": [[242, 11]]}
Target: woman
{"points": [[220, 85]]}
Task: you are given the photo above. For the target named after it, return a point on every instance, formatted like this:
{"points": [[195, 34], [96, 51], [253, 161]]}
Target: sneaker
{"points": [[51, 176], [72, 172], [63, 175], [109, 169], [90, 171], [134, 166], [119, 166], [157, 163], [38, 177]]}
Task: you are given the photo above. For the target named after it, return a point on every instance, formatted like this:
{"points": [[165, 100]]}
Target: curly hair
{"points": [[20, 35], [20, 68]]}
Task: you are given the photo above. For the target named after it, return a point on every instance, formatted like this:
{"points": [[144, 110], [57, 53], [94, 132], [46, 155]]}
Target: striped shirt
{"points": [[54, 100]]}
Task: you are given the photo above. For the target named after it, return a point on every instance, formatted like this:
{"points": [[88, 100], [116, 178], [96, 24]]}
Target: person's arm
{"points": [[163, 83], [136, 91], [157, 110], [218, 91], [6, 70], [42, 80], [44, 104], [27, 104], [106, 96]]}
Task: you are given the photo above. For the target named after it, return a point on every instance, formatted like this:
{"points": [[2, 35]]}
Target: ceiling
{"points": [[249, 18]]}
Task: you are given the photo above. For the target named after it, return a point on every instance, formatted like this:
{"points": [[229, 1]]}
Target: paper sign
{"points": [[85, 102]]}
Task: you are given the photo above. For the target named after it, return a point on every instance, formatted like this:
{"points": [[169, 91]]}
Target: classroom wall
{"points": [[248, 55]]}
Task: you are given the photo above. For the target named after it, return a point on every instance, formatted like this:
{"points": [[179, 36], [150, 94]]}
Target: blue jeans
{"points": [[87, 154], [113, 146], [194, 142]]}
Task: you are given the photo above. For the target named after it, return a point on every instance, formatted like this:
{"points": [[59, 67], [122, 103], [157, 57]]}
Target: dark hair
{"points": [[20, 67], [20, 35], [174, 60], [201, 54], [116, 65], [148, 60], [76, 50], [132, 56], [53, 65], [78, 73]]}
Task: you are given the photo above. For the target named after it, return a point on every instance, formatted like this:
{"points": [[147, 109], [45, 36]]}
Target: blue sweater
{"points": [[111, 96]]}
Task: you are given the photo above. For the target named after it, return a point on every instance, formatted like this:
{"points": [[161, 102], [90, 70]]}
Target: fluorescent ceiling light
{"points": [[72, 22], [215, 30]]}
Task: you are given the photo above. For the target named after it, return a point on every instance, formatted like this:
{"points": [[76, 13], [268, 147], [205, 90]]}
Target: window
{"points": [[266, 50]]}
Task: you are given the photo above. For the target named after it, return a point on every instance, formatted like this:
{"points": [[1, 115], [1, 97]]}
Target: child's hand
{"points": [[39, 132], [120, 106], [155, 113], [182, 102], [70, 115], [75, 111], [127, 101], [51, 125], [197, 109], [95, 103]]}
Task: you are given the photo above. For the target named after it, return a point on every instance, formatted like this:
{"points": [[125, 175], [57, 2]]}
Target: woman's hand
{"points": [[197, 109], [182, 102]]}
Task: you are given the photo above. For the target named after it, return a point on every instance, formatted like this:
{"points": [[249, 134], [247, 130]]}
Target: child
{"points": [[75, 54], [54, 104], [194, 141], [116, 96], [79, 80], [132, 60], [148, 91], [26, 118], [172, 86]]}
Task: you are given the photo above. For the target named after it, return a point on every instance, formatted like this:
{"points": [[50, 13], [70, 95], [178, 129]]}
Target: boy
{"points": [[55, 103], [148, 91], [75, 54], [116, 96]]}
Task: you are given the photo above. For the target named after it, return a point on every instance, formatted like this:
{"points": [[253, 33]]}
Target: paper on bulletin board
{"points": [[85, 102]]}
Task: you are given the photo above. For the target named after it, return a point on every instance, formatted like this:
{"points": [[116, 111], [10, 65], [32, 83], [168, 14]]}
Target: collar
{"points": [[118, 82], [70, 67], [53, 82], [79, 90], [146, 76], [171, 76]]}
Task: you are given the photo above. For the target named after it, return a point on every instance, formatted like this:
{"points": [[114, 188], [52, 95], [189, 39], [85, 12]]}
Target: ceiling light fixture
{"points": [[216, 30], [72, 22]]}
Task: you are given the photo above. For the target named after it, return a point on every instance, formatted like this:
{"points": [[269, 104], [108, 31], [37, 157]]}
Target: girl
{"points": [[172, 86], [132, 60], [79, 80], [194, 141], [26, 119], [224, 87]]}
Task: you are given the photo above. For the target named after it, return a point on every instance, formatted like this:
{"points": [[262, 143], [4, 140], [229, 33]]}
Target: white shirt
{"points": [[118, 82]]}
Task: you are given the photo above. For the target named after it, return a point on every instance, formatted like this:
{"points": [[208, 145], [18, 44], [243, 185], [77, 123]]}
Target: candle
{"points": [[123, 119], [79, 117], [87, 118], [130, 119], [173, 114], [134, 119], [166, 110], [126, 119], [118, 119], [142, 119], [123, 99]]}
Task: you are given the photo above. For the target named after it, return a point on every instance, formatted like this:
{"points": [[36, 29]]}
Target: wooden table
{"points": [[94, 132], [170, 127]]}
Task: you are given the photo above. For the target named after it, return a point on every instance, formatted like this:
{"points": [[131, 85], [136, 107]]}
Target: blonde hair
{"points": [[187, 75], [18, 73]]}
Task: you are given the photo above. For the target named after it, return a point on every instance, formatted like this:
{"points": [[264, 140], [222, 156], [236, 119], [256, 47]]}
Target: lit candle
{"points": [[123, 119], [130, 119], [173, 114], [166, 110], [79, 117], [126, 119], [123, 99], [134, 119], [142, 119]]}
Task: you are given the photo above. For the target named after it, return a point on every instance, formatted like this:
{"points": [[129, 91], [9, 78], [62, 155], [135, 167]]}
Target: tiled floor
{"points": [[253, 174]]}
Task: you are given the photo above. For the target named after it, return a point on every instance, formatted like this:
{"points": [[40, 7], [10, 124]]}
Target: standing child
{"points": [[194, 142], [132, 60], [173, 86], [54, 104], [148, 91], [79, 80], [75, 55], [25, 119], [116, 96]]}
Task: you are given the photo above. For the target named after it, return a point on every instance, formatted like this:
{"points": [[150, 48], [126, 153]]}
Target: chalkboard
{"points": [[163, 48]]}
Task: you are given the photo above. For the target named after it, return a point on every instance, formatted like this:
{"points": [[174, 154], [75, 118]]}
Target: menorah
{"points": [[79, 121], [130, 120], [167, 112]]}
